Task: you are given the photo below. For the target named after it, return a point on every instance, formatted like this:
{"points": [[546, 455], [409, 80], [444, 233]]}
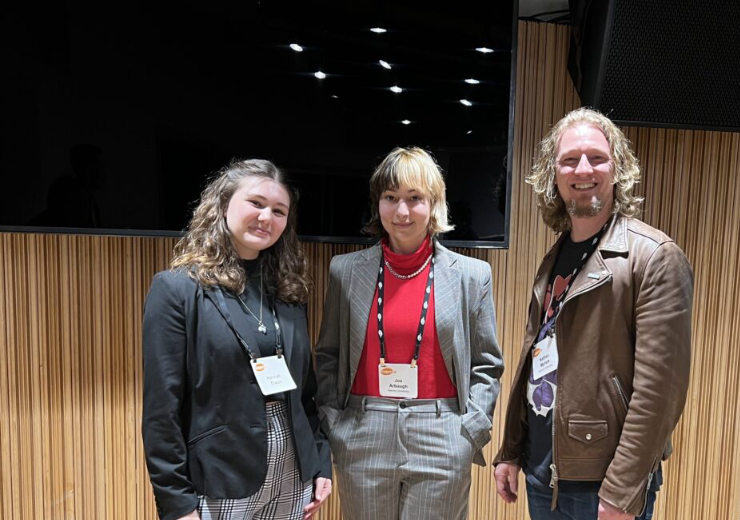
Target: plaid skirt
{"points": [[282, 495]]}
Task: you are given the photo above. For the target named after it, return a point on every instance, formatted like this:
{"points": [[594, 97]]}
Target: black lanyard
{"points": [[422, 319], [549, 322], [242, 341]]}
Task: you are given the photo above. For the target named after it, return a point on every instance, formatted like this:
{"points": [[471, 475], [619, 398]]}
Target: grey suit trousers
{"points": [[402, 459]]}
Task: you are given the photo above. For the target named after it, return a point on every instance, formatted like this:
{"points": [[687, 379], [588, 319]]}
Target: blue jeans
{"points": [[579, 504]]}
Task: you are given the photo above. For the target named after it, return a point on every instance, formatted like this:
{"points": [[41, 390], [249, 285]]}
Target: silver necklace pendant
{"points": [[261, 327]]}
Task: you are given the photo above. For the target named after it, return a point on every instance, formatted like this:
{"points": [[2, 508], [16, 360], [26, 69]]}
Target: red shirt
{"points": [[401, 313]]}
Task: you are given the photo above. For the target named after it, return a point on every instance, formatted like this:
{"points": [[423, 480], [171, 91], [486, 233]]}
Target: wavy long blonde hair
{"points": [[625, 164], [208, 253]]}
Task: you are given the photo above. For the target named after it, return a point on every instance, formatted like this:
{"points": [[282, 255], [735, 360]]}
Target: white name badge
{"points": [[545, 357], [272, 375], [398, 380]]}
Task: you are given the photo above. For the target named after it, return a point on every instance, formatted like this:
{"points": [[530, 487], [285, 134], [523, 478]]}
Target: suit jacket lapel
{"points": [[363, 278], [233, 314], [446, 304]]}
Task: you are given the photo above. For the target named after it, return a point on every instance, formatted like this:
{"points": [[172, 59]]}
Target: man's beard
{"points": [[591, 209]]}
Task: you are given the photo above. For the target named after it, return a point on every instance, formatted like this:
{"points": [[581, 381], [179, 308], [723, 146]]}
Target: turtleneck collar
{"points": [[411, 262], [251, 267]]}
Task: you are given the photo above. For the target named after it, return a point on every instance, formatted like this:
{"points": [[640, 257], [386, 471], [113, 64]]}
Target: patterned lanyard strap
{"points": [[584, 258], [422, 319]]}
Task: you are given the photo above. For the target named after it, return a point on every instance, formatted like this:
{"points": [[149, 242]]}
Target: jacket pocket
{"points": [[587, 431], [621, 393], [206, 434], [337, 435], [478, 428]]}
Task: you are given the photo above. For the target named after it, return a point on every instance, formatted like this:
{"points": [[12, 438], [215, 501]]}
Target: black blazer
{"points": [[203, 423]]}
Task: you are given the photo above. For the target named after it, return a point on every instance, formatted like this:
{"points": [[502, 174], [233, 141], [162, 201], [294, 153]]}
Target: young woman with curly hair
{"points": [[229, 423]]}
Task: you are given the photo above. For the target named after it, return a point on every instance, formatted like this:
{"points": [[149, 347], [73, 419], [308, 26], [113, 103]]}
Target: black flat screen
{"points": [[115, 115]]}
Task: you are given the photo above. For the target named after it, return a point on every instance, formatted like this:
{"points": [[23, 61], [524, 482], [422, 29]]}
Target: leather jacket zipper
{"points": [[553, 467], [554, 486], [620, 391], [647, 492], [623, 395], [648, 482]]}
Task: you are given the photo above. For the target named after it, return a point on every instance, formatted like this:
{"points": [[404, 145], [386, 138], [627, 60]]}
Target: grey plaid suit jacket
{"points": [[466, 326]]}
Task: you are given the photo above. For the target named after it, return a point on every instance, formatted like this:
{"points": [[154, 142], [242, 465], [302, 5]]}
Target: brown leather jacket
{"points": [[624, 343]]}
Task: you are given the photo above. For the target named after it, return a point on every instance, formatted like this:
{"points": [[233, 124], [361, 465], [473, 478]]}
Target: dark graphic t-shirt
{"points": [[541, 393]]}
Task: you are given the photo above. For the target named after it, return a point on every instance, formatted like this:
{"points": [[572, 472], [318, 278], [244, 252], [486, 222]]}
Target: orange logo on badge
{"points": [[386, 371], [259, 367], [536, 352]]}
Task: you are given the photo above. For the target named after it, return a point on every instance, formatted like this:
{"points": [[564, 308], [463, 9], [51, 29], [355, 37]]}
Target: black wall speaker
{"points": [[665, 63]]}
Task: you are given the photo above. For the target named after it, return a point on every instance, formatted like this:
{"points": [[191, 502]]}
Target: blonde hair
{"points": [[625, 166], [208, 253], [410, 167]]}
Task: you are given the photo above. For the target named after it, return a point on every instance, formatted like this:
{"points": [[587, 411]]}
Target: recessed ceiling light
{"points": [[334, 96], [385, 64], [406, 122], [378, 30], [296, 47], [319, 74], [396, 89], [472, 81], [484, 50], [466, 102], [469, 132]]}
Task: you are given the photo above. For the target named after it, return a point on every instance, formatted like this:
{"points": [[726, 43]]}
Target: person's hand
{"points": [[507, 485], [191, 516], [321, 490], [609, 512]]}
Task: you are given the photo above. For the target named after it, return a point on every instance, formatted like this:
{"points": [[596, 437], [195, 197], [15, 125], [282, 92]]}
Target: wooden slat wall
{"points": [[70, 309]]}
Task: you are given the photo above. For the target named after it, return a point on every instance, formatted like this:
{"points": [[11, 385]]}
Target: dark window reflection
{"points": [[113, 118]]}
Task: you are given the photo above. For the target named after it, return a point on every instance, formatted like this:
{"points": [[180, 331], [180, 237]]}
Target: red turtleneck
{"points": [[401, 313]]}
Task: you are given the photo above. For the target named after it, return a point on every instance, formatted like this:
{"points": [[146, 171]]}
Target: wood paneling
{"points": [[70, 312]]}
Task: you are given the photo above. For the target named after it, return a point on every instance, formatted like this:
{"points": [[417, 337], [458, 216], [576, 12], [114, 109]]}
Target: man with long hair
{"points": [[604, 370]]}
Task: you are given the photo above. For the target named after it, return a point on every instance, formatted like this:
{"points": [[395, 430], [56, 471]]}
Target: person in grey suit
{"points": [[407, 360], [229, 423]]}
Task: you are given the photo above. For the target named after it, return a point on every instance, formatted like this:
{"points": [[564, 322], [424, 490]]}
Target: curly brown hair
{"points": [[626, 169], [208, 253]]}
